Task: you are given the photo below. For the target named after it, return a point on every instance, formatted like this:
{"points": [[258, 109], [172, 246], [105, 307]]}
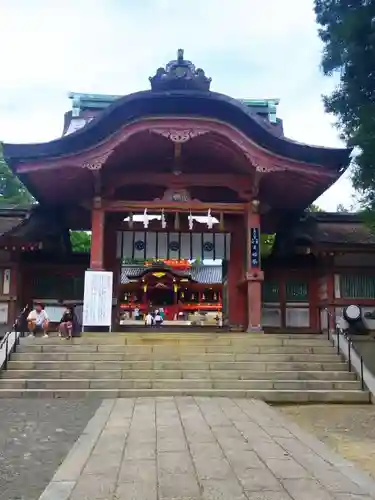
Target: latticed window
{"points": [[357, 286], [296, 291], [57, 286], [270, 291]]}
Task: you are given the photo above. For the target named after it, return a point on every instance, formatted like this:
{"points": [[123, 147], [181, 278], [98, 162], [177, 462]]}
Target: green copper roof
{"points": [[99, 101], [261, 103]]}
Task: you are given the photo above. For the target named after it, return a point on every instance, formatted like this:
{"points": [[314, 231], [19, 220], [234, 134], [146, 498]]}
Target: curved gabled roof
{"points": [[331, 229], [204, 274], [195, 103]]}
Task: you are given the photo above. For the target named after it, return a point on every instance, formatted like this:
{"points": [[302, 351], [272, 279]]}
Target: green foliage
{"points": [[129, 261], [81, 241], [266, 244], [313, 208], [12, 191], [340, 208], [347, 29]]}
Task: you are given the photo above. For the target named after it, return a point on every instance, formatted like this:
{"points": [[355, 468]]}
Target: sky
{"points": [[250, 48]]}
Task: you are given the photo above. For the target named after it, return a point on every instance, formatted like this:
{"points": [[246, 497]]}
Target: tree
{"points": [[81, 241], [129, 261], [266, 244], [12, 191], [313, 208], [347, 29], [340, 208]]}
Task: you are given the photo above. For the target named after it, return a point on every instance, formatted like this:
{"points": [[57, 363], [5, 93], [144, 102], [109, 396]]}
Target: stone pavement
{"points": [[200, 448], [347, 429], [35, 437]]}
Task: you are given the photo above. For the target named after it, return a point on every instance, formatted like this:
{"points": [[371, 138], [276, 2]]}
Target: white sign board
{"points": [[4, 313], [97, 299]]}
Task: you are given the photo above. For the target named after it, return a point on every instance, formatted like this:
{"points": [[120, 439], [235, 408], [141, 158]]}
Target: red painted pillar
{"points": [[254, 275], [237, 305], [145, 299], [97, 236]]}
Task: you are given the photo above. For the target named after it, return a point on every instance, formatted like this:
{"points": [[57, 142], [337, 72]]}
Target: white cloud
{"points": [[250, 48]]}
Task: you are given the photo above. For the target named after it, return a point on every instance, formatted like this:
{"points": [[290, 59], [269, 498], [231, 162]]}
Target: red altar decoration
{"points": [[172, 263]]}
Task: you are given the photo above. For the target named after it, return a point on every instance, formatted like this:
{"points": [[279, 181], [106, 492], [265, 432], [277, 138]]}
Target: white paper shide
{"points": [[97, 301]]}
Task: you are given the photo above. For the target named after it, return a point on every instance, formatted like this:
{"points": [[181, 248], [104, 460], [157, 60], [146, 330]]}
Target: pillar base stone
{"points": [[255, 329]]}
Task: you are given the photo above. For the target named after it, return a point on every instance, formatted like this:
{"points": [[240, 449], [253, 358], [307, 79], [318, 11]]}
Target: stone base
{"points": [[255, 329]]}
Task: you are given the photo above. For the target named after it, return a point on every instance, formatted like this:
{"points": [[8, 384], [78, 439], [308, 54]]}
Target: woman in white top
{"points": [[148, 319]]}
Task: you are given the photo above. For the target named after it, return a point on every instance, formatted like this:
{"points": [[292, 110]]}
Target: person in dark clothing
{"points": [[20, 324], [66, 323]]}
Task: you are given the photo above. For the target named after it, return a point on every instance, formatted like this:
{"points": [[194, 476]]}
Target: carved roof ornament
{"points": [[179, 136], [97, 162], [267, 169], [180, 74], [175, 195]]}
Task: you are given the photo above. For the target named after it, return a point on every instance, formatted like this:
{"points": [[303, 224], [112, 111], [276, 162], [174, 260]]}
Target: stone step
{"points": [[174, 356], [148, 349], [177, 365], [56, 384], [287, 368], [195, 340], [179, 374], [196, 334], [270, 396]]}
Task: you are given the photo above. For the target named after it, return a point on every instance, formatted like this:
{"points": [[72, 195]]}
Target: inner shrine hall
{"points": [[179, 185]]}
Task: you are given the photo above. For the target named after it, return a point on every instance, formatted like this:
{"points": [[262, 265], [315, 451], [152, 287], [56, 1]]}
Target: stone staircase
{"points": [[275, 368]]}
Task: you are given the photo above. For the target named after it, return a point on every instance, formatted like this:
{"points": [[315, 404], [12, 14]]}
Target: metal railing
{"points": [[338, 333], [11, 340]]}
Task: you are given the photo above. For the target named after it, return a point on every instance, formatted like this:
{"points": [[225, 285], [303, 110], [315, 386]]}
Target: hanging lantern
{"points": [[145, 288], [175, 288], [163, 219], [215, 296], [203, 296], [177, 221], [145, 219], [126, 297], [193, 296], [131, 220], [210, 220], [191, 221], [182, 295]]}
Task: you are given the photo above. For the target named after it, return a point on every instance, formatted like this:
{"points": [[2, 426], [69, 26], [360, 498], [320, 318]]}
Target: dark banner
{"points": [[142, 245], [255, 246]]}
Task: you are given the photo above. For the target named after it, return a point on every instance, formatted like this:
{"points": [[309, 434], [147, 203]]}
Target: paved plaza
{"points": [[35, 437], [200, 448], [348, 429]]}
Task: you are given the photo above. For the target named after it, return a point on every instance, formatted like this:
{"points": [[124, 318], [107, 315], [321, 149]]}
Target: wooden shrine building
{"points": [[182, 174]]}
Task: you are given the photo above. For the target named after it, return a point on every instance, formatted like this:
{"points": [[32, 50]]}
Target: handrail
{"points": [[11, 339], [339, 331]]}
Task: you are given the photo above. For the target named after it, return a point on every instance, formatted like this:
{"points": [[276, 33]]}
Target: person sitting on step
{"points": [[37, 320], [66, 323]]}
